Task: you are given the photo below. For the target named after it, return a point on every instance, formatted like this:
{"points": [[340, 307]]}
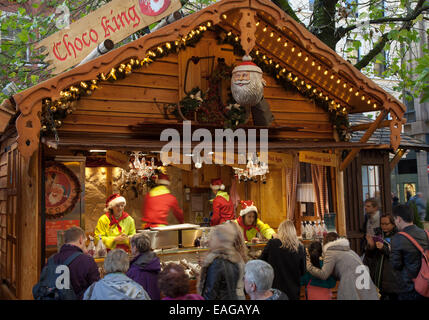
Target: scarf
{"points": [[246, 228], [113, 220]]}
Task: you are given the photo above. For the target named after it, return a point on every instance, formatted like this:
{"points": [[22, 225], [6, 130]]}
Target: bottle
{"points": [[303, 230], [313, 231], [101, 250], [91, 247], [324, 229], [319, 230]]}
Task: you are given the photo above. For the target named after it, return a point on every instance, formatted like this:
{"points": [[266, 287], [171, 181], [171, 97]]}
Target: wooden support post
{"points": [[364, 139], [397, 158], [341, 211]]}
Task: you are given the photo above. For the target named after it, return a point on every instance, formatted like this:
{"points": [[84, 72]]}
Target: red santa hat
{"points": [[163, 179], [217, 184], [247, 206], [113, 200], [247, 65]]}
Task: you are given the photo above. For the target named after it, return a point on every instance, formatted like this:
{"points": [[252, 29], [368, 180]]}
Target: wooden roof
{"points": [[275, 34]]}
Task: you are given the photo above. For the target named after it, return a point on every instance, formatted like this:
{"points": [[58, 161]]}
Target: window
{"points": [[371, 182], [353, 54], [352, 7], [380, 64], [8, 212], [410, 114]]}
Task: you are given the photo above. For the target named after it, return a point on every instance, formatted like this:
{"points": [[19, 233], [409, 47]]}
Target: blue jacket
{"points": [[328, 283], [116, 286]]}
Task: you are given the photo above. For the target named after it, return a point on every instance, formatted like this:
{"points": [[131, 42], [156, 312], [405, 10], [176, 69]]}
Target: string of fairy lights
{"points": [[54, 112]]}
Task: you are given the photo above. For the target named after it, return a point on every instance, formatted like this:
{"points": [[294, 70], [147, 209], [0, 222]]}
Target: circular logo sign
{"points": [[62, 190], [153, 7]]}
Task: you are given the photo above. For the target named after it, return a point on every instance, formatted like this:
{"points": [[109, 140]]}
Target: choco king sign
{"points": [[115, 21]]}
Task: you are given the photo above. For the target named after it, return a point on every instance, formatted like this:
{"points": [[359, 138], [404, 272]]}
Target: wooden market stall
{"points": [[123, 100]]}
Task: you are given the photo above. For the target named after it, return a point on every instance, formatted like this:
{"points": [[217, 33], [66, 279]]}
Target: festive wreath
{"points": [[62, 190], [208, 107]]}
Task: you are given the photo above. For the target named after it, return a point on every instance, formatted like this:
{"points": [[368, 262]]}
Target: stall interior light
{"points": [[98, 151]]}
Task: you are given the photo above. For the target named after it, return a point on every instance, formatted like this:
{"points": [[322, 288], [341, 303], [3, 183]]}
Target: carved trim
{"points": [[247, 29]]}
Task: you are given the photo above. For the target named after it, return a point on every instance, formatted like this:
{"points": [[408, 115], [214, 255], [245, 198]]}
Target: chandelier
{"points": [[141, 168], [254, 169]]}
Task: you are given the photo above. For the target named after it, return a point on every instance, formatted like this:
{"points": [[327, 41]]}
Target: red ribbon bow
{"points": [[113, 220]]}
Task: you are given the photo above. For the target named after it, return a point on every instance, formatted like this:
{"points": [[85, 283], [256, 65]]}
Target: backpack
{"points": [[46, 288], [421, 282]]}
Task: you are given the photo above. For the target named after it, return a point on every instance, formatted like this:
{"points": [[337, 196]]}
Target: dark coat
{"points": [[406, 258], [288, 267], [221, 280], [83, 269], [382, 273], [144, 269]]}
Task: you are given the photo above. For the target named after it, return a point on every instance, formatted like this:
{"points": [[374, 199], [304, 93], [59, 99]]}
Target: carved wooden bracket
{"points": [[248, 30]]}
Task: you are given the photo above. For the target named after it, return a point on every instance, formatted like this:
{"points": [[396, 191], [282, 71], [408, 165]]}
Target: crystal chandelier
{"points": [[254, 169], [141, 168]]}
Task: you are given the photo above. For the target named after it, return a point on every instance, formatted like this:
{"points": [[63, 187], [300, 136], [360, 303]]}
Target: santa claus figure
{"points": [[223, 208], [56, 195], [247, 87]]}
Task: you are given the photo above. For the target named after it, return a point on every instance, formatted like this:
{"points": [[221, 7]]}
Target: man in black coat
{"points": [[83, 269], [405, 257]]}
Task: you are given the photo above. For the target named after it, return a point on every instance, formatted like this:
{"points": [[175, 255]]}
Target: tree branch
{"points": [[284, 5], [341, 31], [385, 37]]}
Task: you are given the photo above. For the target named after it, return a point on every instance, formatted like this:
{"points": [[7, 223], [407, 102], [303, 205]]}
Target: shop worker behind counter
{"points": [[405, 257], [158, 203], [115, 226], [82, 267], [223, 208]]}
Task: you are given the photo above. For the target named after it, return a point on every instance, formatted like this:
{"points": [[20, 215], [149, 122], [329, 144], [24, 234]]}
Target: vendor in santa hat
{"points": [[251, 224], [223, 208], [158, 203], [116, 226]]}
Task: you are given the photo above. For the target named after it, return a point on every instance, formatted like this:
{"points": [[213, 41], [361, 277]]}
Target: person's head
{"points": [[117, 260], [402, 215], [56, 194], [115, 204], [419, 194], [75, 236], [258, 277], [330, 236], [387, 223], [222, 237], [162, 179], [287, 235], [249, 212], [216, 185], [239, 243], [371, 206], [315, 251], [173, 281], [140, 243]]}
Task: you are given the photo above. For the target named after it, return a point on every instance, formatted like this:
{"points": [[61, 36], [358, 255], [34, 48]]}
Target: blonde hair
{"points": [[287, 235]]}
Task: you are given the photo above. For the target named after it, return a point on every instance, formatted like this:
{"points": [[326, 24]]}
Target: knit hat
{"points": [[247, 65], [163, 179], [113, 200], [247, 206], [217, 184]]}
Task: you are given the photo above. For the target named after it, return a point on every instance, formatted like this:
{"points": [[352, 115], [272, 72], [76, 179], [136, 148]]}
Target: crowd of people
{"points": [[387, 270]]}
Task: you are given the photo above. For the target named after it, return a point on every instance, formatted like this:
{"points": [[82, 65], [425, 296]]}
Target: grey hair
{"points": [[260, 273], [117, 260], [141, 241]]}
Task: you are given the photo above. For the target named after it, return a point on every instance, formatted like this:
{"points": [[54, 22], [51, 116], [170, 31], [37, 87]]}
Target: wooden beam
{"points": [[397, 158], [364, 139], [364, 126]]}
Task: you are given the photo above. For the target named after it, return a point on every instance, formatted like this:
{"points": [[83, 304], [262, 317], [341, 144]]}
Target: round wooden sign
{"points": [[153, 7], [62, 190]]}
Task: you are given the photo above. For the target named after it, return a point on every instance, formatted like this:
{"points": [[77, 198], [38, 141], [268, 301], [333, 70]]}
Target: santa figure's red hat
{"points": [[247, 65], [113, 200], [217, 184], [247, 206], [163, 179]]}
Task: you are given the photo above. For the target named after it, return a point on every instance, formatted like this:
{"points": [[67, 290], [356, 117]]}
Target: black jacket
{"points": [[288, 267], [387, 279], [221, 280], [406, 258]]}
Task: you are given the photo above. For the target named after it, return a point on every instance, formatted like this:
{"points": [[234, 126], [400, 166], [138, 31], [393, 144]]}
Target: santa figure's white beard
{"points": [[54, 199], [156, 5], [250, 92]]}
